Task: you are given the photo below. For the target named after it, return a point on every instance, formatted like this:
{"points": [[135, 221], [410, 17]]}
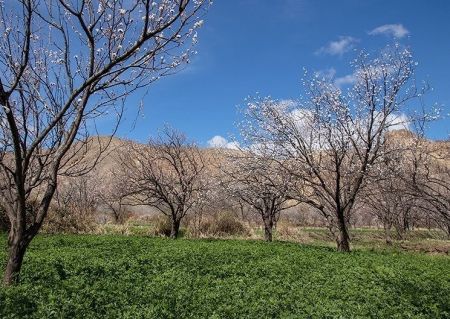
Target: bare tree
{"points": [[64, 64], [427, 177], [386, 198], [255, 179], [166, 174], [331, 139], [74, 205], [410, 186], [114, 194]]}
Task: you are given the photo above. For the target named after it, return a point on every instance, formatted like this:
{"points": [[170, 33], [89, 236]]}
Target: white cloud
{"points": [[327, 74], [348, 79], [338, 47], [287, 103], [221, 142], [217, 141], [375, 72], [395, 30], [233, 146], [302, 118], [398, 122]]}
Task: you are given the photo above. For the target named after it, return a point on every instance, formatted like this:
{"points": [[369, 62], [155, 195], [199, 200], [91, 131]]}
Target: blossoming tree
{"points": [[331, 139], [63, 65]]}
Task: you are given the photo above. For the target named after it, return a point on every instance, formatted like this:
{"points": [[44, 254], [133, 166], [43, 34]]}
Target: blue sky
{"points": [[250, 46]]}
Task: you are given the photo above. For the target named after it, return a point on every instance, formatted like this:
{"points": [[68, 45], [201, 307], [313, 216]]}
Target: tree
{"points": [[427, 178], [64, 64], [254, 178], [411, 184], [331, 139], [114, 194], [166, 174], [4, 224], [387, 199], [74, 205]]}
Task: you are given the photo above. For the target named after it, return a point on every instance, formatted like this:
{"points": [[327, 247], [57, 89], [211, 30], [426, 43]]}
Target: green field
{"points": [[139, 277]]}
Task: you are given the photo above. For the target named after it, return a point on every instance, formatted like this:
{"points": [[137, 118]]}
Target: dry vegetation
{"points": [[386, 215]]}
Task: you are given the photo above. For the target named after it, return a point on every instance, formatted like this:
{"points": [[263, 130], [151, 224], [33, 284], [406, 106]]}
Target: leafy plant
{"points": [[110, 276]]}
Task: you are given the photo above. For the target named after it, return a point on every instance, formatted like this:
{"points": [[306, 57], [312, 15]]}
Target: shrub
{"points": [[227, 225], [161, 226], [286, 230], [68, 220]]}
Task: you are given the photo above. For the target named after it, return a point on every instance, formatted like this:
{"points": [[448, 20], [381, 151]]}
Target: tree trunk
{"points": [[120, 216], [268, 228], [16, 251], [387, 234], [406, 223], [268, 234], [175, 229], [343, 240], [20, 235]]}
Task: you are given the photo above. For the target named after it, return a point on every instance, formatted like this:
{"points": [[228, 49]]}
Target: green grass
{"points": [[139, 277]]}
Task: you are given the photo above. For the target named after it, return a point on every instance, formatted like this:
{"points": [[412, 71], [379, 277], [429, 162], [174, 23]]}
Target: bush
{"points": [[227, 225], [286, 230], [161, 226], [67, 220], [221, 225]]}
